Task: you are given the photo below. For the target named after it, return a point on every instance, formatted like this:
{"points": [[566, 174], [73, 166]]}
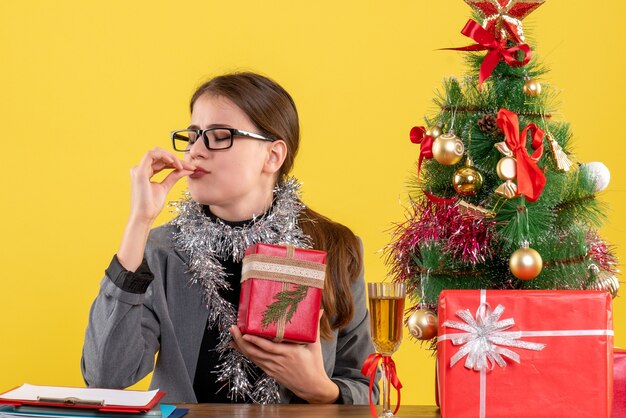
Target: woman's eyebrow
{"points": [[213, 125]]}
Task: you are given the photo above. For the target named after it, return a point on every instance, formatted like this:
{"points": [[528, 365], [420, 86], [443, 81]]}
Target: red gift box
{"points": [[281, 292], [619, 383], [507, 353]]}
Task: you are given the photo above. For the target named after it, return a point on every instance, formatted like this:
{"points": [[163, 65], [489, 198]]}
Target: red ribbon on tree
{"points": [[497, 50], [530, 178], [418, 136], [389, 368], [440, 200]]}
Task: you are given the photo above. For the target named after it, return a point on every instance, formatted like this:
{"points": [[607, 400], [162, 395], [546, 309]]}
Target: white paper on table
{"points": [[28, 392]]}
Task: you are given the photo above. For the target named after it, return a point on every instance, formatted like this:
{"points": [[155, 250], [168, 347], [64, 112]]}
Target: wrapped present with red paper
{"points": [[281, 292], [526, 353], [619, 383]]}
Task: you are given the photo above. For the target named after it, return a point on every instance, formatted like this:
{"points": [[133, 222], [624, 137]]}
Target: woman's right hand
{"points": [[147, 196], [147, 199]]}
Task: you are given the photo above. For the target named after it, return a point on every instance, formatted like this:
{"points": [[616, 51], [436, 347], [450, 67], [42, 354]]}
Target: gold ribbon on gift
{"points": [[283, 269], [287, 270]]}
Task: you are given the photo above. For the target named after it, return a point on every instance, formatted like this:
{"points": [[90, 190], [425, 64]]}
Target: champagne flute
{"points": [[386, 303]]}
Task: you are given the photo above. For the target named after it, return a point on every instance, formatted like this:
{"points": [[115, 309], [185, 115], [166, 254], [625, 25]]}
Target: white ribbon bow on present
{"points": [[484, 341]]}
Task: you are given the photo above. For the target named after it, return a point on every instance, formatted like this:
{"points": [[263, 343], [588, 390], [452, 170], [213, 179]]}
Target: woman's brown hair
{"points": [[273, 112]]}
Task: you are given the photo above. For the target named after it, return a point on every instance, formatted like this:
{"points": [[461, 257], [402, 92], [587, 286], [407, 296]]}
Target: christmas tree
{"points": [[498, 200]]}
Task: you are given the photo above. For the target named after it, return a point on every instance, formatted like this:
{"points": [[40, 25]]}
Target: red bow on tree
{"points": [[418, 136], [497, 50], [389, 368], [530, 178], [440, 200]]}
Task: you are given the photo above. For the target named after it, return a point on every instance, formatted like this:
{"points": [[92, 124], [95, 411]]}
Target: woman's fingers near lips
{"points": [[170, 162], [188, 166]]}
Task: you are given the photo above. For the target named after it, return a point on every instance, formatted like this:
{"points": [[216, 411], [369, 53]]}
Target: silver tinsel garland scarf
{"points": [[204, 241]]}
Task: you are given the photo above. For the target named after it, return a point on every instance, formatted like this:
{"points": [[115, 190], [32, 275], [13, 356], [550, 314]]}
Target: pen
{"points": [[71, 400]]}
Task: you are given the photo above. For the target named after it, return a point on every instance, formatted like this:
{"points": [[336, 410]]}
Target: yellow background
{"points": [[87, 87]]}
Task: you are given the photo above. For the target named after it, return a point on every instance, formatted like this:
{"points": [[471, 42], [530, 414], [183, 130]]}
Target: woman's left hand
{"points": [[299, 367]]}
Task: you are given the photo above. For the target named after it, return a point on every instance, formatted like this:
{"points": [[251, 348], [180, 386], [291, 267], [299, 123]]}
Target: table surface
{"points": [[300, 411]]}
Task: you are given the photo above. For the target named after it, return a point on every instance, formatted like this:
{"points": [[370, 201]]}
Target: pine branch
{"points": [[285, 306], [579, 203], [565, 261], [456, 274], [437, 270]]}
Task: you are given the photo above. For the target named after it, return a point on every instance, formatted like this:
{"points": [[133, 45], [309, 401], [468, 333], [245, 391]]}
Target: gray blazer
{"points": [[126, 330]]}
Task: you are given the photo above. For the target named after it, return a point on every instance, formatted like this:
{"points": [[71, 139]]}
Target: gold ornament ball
{"points": [[507, 168], [448, 149], [434, 131], [525, 263], [467, 181], [422, 324], [532, 88]]}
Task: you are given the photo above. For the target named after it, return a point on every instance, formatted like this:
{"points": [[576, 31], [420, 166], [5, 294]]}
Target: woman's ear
{"points": [[277, 152]]}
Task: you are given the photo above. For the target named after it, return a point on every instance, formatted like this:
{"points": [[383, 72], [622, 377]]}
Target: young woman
{"points": [[174, 290]]}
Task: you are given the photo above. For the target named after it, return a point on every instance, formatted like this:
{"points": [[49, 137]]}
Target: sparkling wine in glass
{"points": [[386, 303]]}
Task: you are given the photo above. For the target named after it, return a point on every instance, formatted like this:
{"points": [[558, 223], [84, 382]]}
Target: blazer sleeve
{"points": [[122, 335], [354, 344]]}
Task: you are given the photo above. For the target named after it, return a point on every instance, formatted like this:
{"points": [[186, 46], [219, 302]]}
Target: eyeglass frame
{"points": [[233, 132]]}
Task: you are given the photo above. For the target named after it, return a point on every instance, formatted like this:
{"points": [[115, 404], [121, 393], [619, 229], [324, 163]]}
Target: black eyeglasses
{"points": [[214, 138]]}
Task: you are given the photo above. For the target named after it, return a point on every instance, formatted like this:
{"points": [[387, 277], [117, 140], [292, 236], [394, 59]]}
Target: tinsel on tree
{"points": [[498, 200]]}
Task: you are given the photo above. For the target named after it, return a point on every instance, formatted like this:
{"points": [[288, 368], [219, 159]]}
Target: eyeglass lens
{"points": [[215, 139]]}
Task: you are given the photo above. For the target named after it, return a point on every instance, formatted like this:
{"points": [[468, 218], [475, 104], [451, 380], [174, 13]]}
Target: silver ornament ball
{"points": [[598, 173]]}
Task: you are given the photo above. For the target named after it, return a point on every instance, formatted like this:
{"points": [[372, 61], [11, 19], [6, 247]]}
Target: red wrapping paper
{"points": [[257, 294], [571, 376], [619, 383]]}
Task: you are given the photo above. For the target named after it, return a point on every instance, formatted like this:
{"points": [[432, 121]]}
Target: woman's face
{"points": [[234, 182]]}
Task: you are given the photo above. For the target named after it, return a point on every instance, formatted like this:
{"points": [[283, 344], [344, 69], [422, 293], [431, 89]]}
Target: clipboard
{"points": [[104, 400]]}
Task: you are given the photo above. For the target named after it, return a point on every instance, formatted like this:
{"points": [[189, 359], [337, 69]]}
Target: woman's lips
{"points": [[198, 172]]}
